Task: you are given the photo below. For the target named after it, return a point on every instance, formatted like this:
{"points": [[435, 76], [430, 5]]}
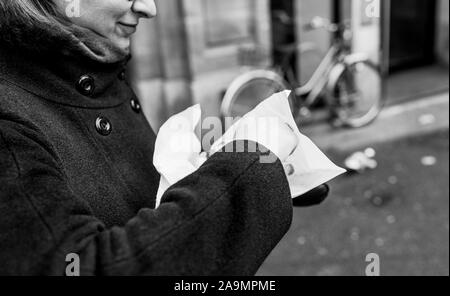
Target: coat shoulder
{"points": [[9, 168], [17, 106], [12, 96], [23, 147], [17, 127]]}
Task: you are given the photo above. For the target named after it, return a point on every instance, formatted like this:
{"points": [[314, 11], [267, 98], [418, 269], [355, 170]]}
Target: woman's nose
{"points": [[144, 8]]}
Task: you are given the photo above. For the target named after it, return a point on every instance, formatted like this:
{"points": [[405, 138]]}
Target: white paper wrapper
{"points": [[177, 150]]}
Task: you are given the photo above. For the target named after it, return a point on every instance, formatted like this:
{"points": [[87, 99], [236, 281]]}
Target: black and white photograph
{"points": [[224, 146]]}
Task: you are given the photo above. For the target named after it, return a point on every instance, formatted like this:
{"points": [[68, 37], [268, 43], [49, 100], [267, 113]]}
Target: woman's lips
{"points": [[127, 29]]}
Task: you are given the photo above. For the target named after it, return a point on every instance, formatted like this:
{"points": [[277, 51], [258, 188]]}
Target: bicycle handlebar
{"points": [[323, 23]]}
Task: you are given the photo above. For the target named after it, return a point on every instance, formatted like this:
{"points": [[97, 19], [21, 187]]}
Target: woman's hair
{"points": [[37, 26], [30, 24], [32, 12]]}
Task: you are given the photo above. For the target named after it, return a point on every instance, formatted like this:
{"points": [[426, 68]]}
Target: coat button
{"points": [[86, 85], [103, 126], [122, 75], [135, 105]]}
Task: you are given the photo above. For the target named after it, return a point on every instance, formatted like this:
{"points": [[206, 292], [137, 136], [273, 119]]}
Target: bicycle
{"points": [[350, 83]]}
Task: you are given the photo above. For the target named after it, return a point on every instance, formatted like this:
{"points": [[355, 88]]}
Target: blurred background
{"points": [[396, 202]]}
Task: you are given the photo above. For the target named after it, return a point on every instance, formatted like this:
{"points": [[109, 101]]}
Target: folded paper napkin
{"points": [[178, 151]]}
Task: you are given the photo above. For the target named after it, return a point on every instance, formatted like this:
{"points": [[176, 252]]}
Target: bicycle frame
{"points": [[319, 80], [338, 65]]}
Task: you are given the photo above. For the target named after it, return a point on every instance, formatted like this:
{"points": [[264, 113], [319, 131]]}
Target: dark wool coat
{"points": [[76, 176]]}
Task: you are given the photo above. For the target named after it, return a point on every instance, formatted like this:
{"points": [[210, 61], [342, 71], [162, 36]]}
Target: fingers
{"points": [[289, 169]]}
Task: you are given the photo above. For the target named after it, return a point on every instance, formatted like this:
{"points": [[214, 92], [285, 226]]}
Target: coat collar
{"points": [[59, 79], [53, 62]]}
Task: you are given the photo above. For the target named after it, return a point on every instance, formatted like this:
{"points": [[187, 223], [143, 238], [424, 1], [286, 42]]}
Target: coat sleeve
{"points": [[222, 220]]}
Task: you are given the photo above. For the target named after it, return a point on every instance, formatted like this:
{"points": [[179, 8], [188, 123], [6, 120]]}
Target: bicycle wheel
{"points": [[250, 89], [357, 95]]}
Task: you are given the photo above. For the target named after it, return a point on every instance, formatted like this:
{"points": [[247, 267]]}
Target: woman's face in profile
{"points": [[114, 19]]}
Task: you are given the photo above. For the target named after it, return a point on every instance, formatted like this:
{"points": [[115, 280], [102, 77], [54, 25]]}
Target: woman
{"points": [[76, 173]]}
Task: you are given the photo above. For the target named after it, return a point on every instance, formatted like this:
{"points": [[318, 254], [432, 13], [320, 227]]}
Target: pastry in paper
{"points": [[178, 148]]}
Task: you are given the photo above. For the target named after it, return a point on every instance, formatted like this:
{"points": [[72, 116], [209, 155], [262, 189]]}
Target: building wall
{"points": [[442, 42], [216, 30], [160, 67], [366, 26], [190, 53], [306, 10]]}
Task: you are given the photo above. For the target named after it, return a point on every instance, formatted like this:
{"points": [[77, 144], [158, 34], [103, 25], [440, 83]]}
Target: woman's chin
{"points": [[123, 44]]}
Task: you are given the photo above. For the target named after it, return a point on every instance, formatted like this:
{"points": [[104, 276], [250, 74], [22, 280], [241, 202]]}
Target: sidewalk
{"points": [[418, 117], [400, 211]]}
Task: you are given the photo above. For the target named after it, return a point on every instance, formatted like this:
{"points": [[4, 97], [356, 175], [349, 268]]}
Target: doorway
{"points": [[283, 28], [412, 33], [410, 38]]}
